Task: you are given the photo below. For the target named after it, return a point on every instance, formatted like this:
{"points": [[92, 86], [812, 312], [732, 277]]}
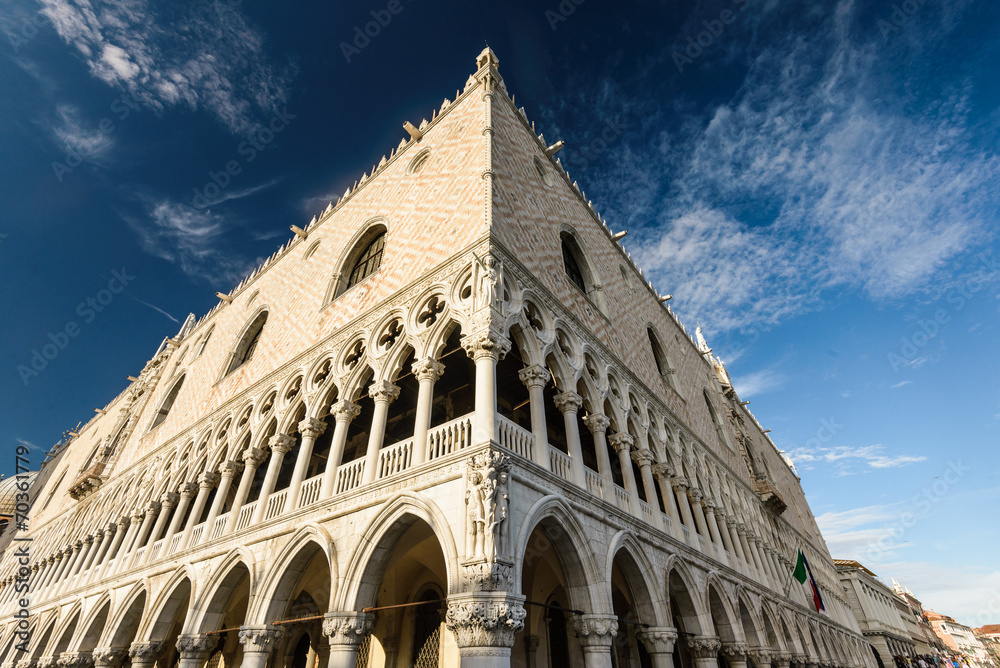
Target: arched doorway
{"points": [[684, 617]]}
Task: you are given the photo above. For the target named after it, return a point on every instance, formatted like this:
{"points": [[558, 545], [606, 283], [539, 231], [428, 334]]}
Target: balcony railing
{"points": [[515, 438], [595, 483], [449, 437], [309, 494], [349, 475], [621, 498], [275, 504], [560, 463], [394, 459], [246, 514]]}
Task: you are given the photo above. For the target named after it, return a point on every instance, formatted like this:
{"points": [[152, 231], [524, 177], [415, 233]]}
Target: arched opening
{"points": [[634, 609], [258, 477], [287, 468], [684, 616], [553, 574], [67, 634], [749, 628], [408, 566], [362, 261], [248, 343], [587, 443], [227, 609], [43, 641], [555, 424], [721, 621], [719, 431], [124, 635], [95, 629], [455, 391], [770, 633], [402, 414], [578, 268], [359, 428], [617, 476], [663, 365], [169, 621], [513, 401], [303, 593]]}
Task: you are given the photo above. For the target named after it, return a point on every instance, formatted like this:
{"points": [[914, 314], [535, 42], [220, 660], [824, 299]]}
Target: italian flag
{"points": [[802, 573]]}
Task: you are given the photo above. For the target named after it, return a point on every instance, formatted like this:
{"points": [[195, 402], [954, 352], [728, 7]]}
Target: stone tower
{"points": [[448, 423]]}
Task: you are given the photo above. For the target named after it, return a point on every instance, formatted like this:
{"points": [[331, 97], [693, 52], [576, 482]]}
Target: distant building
{"points": [[875, 606], [960, 639], [989, 635], [912, 612]]}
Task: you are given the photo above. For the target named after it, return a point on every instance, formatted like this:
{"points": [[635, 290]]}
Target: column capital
{"points": [[568, 402], [208, 480], [281, 443], [46, 662], [187, 490], [486, 620], [145, 651], [109, 657], [137, 516], [735, 651], [680, 484], [534, 376], [642, 457], [761, 655], [254, 456], [704, 647], [621, 441], [152, 507], [344, 410], [781, 659], [696, 494], [658, 639], [169, 499], [662, 470], [259, 638], [75, 660], [88, 540], [230, 468], [597, 423], [196, 645], [427, 369], [596, 632], [347, 628], [26, 663], [383, 391], [485, 344], [311, 427]]}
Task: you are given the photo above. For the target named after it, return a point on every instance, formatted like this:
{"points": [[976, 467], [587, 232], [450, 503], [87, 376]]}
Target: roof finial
{"points": [[487, 59]]}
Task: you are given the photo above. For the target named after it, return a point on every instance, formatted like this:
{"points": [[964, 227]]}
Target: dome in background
{"points": [[9, 491]]}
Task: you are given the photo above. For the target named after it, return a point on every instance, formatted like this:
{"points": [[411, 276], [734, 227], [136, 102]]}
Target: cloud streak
{"points": [[844, 459]]}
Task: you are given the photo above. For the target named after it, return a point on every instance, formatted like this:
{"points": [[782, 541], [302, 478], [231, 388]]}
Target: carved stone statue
{"points": [[487, 498], [489, 286]]}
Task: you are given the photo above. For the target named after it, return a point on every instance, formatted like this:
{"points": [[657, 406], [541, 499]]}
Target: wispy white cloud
{"points": [[902, 383], [88, 143], [208, 56], [844, 459], [758, 382]]}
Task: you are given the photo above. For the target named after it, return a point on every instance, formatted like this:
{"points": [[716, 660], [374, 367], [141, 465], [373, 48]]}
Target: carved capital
{"points": [[311, 428], [597, 423], [534, 376], [663, 470], [46, 662], [383, 391], [169, 499], [696, 494], [145, 652], [658, 639], [642, 457], [347, 628], [621, 441], [781, 659], [229, 469], [488, 576], [137, 516], [479, 345], [196, 645], [208, 480], [482, 620], [187, 490], [88, 540], [153, 507], [680, 484], [26, 663], [281, 443], [259, 638], [735, 651], [109, 657], [568, 402], [704, 647], [75, 660], [254, 457], [596, 632], [344, 411], [427, 369], [761, 656]]}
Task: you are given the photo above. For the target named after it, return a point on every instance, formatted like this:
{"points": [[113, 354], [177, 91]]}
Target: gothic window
{"points": [[204, 341], [572, 265], [578, 268], [660, 357], [167, 404], [715, 418], [368, 262], [248, 344]]}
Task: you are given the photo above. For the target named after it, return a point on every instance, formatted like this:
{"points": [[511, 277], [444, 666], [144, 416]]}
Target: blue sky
{"points": [[815, 183]]}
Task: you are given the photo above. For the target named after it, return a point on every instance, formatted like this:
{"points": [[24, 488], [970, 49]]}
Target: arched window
{"points": [[204, 341], [167, 404], [368, 262], [571, 262], [715, 419], [244, 351], [660, 357]]}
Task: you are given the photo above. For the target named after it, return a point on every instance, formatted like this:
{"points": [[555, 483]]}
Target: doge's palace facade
{"points": [[448, 423]]}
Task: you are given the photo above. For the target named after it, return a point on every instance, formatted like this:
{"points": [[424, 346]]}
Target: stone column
{"points": [[383, 393], [426, 371], [52, 565], [741, 532], [659, 643], [597, 635], [569, 404], [644, 458], [531, 644], [735, 536], [85, 554], [484, 625], [227, 471], [195, 649], [598, 425], [145, 654], [699, 515], [206, 481], [125, 551], [75, 660], [167, 503], [535, 378], [622, 443], [115, 546], [762, 657], [99, 542], [72, 563], [152, 510], [280, 444], [258, 642], [780, 659], [486, 349], [736, 654], [705, 651], [311, 429], [661, 472], [680, 485], [713, 525], [345, 631], [343, 412], [252, 459], [109, 657], [185, 493]]}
